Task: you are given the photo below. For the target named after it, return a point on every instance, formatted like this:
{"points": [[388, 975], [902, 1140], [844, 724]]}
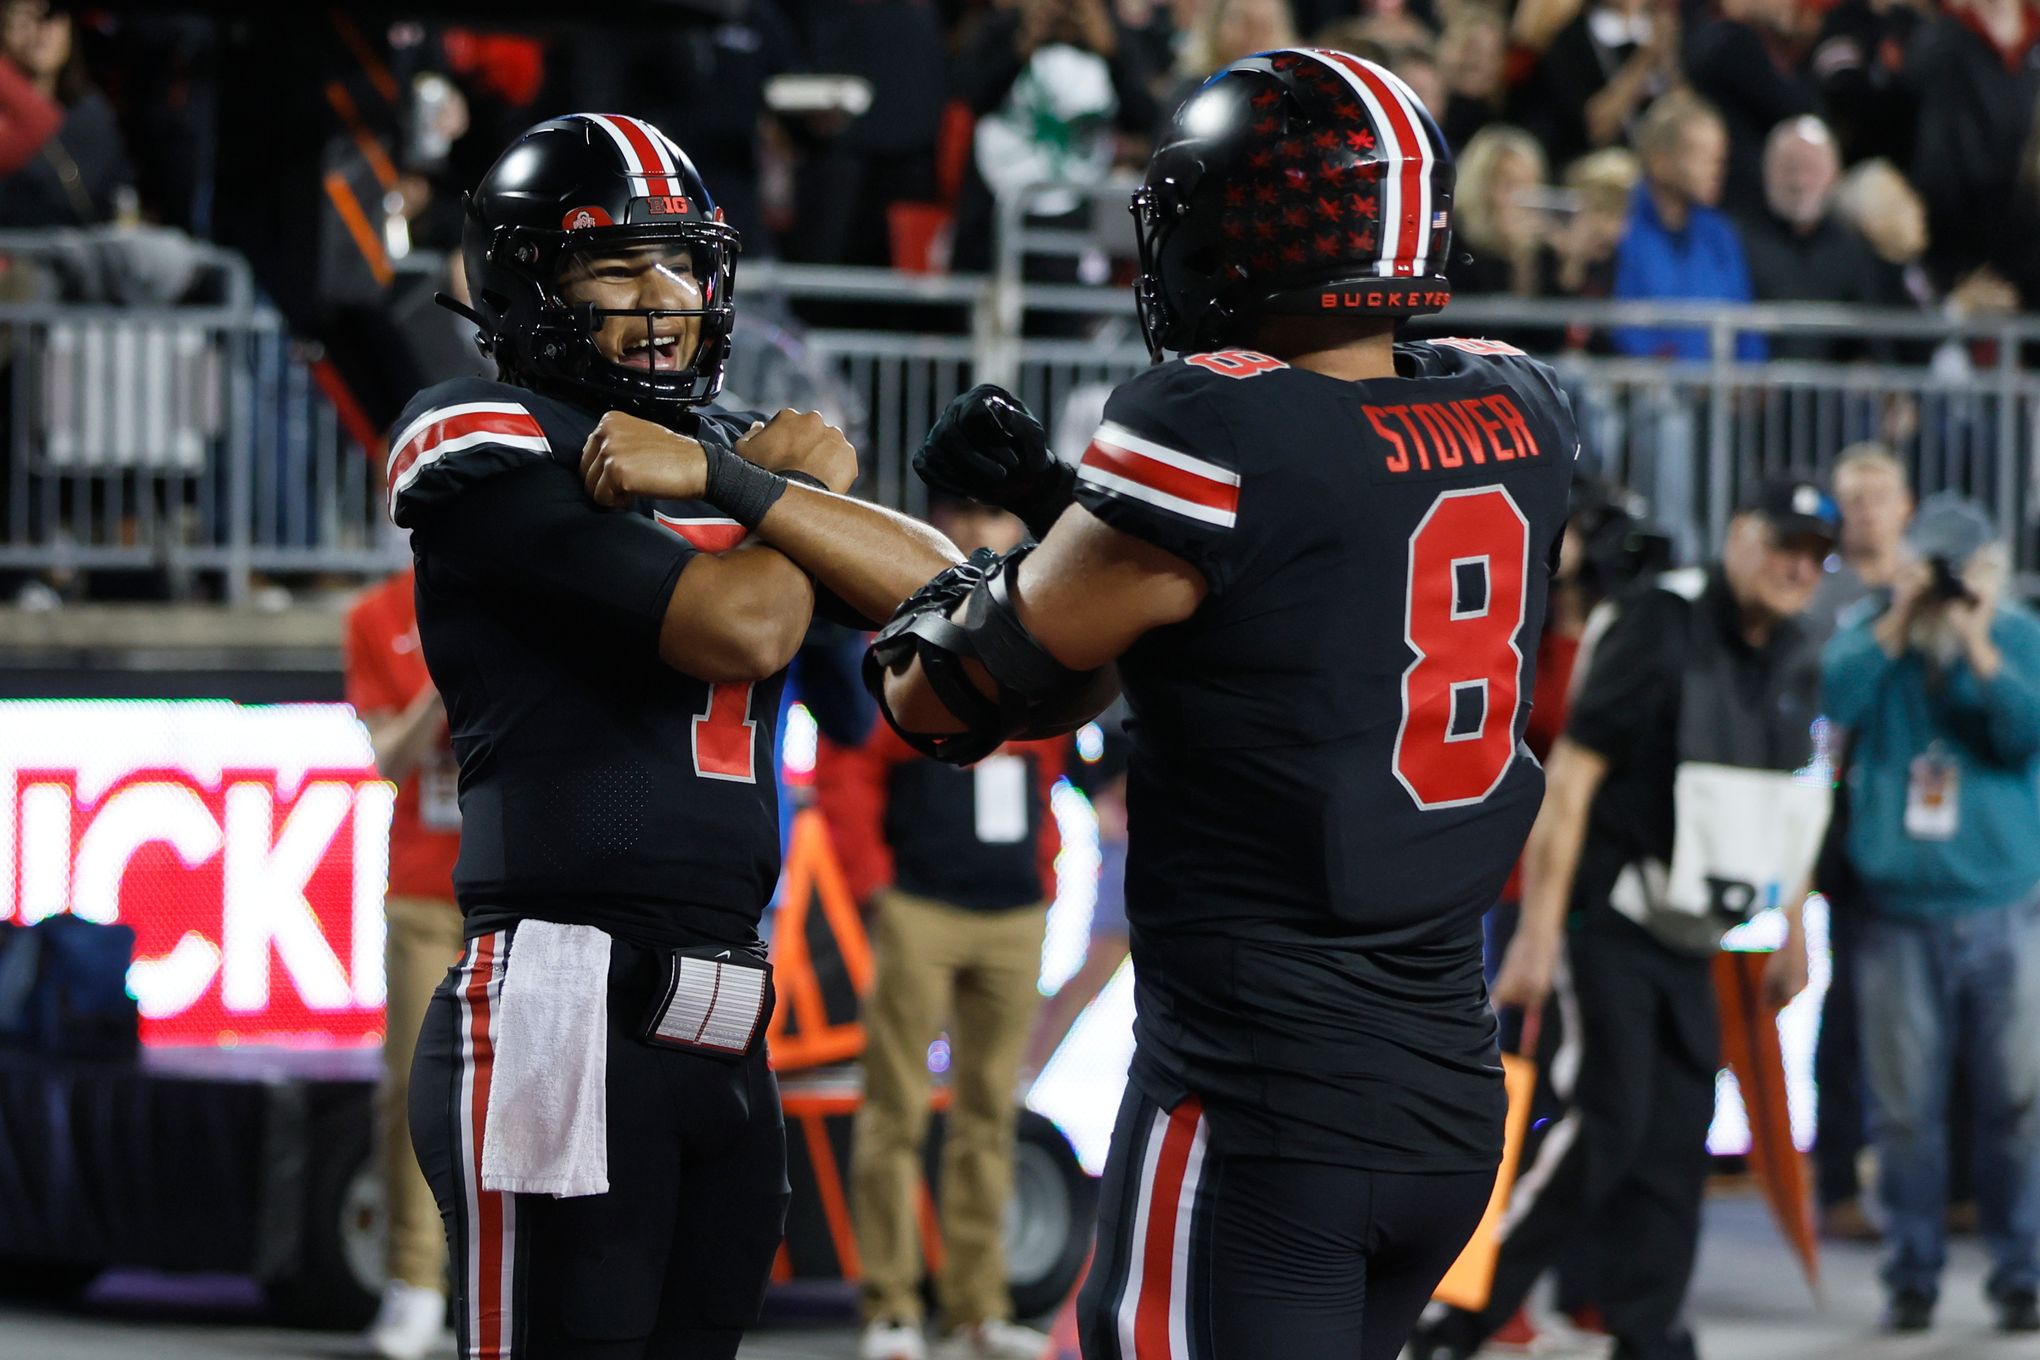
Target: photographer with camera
{"points": [[1940, 697]]}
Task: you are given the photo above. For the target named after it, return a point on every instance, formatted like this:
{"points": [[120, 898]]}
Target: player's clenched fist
{"points": [[801, 441], [626, 457]]}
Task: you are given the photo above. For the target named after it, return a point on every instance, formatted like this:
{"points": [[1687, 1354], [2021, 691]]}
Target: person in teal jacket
{"points": [[1940, 694]]}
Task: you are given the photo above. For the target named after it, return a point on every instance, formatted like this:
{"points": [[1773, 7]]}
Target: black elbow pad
{"points": [[1034, 694]]}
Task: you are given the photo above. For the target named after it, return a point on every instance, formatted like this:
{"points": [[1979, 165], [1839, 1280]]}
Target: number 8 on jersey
{"points": [[1468, 564]]}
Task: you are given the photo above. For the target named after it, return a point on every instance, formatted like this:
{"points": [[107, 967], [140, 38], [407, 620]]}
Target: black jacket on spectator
{"points": [[849, 179], [704, 86], [1859, 62], [1734, 66], [1551, 105], [1831, 263], [72, 180], [1976, 108]]}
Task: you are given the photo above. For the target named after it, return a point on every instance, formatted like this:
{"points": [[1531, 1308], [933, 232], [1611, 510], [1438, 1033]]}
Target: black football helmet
{"points": [[1301, 182], [582, 187]]}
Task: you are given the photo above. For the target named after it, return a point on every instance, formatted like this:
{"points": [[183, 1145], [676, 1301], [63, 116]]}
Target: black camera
{"points": [[1946, 585]]}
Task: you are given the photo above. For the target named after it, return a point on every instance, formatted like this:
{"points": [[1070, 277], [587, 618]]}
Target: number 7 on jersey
{"points": [[724, 745]]}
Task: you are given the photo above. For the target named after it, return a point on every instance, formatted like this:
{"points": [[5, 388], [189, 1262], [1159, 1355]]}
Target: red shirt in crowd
{"points": [[385, 672]]}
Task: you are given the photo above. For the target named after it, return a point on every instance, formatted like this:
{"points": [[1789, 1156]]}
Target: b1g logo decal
{"points": [[580, 219], [668, 205], [1469, 569]]}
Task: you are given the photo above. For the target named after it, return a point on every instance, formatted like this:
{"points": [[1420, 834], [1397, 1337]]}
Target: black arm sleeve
{"points": [[532, 538]]}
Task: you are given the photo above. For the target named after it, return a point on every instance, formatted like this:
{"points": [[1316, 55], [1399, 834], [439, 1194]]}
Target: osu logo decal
{"points": [[580, 219]]}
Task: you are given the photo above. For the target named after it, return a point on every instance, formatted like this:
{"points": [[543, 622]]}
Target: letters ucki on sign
{"points": [[258, 909]]}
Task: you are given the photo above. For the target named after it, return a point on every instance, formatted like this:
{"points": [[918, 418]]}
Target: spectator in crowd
{"points": [[957, 867], [1858, 60], [710, 79], [1496, 215], [1876, 504], [1977, 83], [1578, 258], [1696, 669], [1940, 696], [79, 174], [1227, 30], [1741, 62], [2023, 223], [1588, 87], [1051, 82], [1416, 63], [1799, 249], [852, 173], [1361, 38], [1676, 244], [26, 118], [1470, 56], [1878, 202], [406, 721]]}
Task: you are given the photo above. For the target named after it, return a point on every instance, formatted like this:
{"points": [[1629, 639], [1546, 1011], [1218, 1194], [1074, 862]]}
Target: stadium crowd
{"points": [[1867, 151]]}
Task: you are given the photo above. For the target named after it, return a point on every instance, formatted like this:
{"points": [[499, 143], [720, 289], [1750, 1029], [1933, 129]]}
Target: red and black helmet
{"points": [[1301, 182], [582, 186]]}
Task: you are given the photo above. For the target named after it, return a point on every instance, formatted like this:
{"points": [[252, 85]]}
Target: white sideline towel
{"points": [[547, 1130]]}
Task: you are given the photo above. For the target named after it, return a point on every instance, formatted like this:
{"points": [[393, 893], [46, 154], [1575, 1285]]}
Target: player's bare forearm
{"points": [[1551, 857], [736, 616], [872, 558], [1086, 594], [400, 739]]}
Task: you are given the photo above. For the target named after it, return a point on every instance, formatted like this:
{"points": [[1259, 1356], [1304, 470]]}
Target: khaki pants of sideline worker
{"points": [[423, 941], [976, 973]]}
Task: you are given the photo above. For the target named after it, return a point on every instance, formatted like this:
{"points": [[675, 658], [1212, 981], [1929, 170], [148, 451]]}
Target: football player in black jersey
{"points": [[1319, 561], [610, 636]]}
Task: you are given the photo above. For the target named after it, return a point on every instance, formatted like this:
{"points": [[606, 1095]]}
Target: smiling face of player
{"points": [[650, 277]]}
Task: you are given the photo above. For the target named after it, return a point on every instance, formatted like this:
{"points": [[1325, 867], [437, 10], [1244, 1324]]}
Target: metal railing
{"points": [[194, 440], [184, 440]]}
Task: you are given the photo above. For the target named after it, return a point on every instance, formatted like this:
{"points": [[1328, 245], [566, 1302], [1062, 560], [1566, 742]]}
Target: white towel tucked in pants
{"points": [[547, 1129]]}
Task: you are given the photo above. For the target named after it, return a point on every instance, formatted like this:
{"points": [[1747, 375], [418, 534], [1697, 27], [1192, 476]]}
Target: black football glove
{"points": [[988, 447]]}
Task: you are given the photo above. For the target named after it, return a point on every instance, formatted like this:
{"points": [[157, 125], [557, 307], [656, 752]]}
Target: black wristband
{"points": [[738, 487], [805, 479]]}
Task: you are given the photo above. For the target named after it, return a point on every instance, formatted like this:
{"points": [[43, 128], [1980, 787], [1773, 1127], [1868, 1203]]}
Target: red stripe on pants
{"points": [[487, 1230], [1158, 1253]]}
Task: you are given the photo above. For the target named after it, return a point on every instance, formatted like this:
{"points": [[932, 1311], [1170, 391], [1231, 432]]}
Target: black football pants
{"points": [[1626, 1065], [672, 1262], [1203, 1256]]}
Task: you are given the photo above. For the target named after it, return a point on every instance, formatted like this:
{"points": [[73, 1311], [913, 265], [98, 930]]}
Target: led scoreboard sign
{"points": [[247, 847]]}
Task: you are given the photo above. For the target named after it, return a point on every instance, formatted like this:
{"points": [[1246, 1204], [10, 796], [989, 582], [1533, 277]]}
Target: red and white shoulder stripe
{"points": [[446, 430], [648, 157], [1132, 465]]}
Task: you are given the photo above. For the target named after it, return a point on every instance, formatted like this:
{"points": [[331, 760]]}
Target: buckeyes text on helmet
{"points": [[1300, 182]]}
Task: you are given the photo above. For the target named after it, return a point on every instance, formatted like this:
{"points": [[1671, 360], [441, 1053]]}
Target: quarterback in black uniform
{"points": [[1319, 561], [590, 1101]]}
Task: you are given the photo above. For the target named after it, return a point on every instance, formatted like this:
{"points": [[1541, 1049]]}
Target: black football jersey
{"points": [[1328, 784], [597, 784]]}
